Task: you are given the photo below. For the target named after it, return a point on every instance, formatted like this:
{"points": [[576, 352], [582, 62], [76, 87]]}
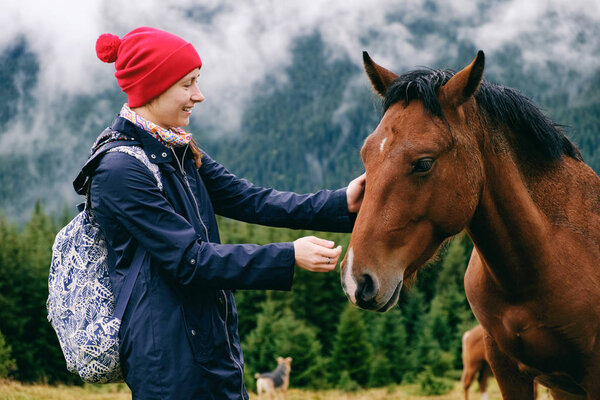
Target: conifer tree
{"points": [[352, 351], [11, 284], [438, 331], [10, 278], [413, 310], [45, 358], [319, 299], [381, 370], [279, 333], [425, 349], [7, 363], [16, 284], [451, 299], [454, 263], [24, 324], [390, 351]]}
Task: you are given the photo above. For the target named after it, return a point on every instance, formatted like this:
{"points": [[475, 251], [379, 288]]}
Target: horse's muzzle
{"points": [[366, 291], [366, 294], [393, 300]]}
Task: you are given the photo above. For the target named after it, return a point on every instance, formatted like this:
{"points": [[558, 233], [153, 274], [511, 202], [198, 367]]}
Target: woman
{"points": [[179, 336]]}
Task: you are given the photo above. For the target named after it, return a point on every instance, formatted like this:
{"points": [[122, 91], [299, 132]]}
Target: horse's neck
{"points": [[506, 224], [519, 216]]}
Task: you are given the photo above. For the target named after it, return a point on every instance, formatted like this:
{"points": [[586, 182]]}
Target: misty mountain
{"points": [[301, 130]]}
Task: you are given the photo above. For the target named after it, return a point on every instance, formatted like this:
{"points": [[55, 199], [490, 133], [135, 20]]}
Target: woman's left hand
{"points": [[355, 192]]}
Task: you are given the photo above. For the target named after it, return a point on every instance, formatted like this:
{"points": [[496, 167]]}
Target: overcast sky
{"points": [[241, 41]]}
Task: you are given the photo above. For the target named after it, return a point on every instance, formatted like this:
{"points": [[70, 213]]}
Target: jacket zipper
{"points": [[185, 178], [187, 182]]}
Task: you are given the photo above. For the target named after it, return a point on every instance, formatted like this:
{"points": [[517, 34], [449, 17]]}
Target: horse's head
{"points": [[424, 178]]}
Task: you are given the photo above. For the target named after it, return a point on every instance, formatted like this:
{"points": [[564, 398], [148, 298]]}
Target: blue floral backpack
{"points": [[82, 307]]}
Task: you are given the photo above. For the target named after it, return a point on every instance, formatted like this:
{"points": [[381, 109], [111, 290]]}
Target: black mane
{"points": [[503, 105]]}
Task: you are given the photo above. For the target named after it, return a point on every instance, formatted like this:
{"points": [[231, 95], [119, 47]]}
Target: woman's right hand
{"points": [[317, 255]]}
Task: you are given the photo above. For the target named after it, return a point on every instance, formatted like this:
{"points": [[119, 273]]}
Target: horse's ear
{"points": [[465, 83], [380, 77]]}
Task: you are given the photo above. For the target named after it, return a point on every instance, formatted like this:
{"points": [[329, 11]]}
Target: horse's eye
{"points": [[422, 165]]}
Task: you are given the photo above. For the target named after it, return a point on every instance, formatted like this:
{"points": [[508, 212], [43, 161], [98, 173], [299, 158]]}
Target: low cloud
{"points": [[242, 42]]}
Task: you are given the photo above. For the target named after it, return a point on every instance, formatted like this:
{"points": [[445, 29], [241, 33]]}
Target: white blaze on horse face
{"points": [[484, 396], [349, 282], [382, 144]]}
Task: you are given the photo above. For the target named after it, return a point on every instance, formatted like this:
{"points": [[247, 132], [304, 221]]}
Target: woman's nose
{"points": [[197, 96]]}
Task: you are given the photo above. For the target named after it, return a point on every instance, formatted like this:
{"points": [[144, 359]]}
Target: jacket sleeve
{"points": [[124, 194], [239, 199]]}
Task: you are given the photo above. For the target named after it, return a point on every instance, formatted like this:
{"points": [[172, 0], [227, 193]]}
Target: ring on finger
{"points": [[328, 260]]}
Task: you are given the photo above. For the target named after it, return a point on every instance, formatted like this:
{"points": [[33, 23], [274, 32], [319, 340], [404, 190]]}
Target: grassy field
{"points": [[10, 390]]}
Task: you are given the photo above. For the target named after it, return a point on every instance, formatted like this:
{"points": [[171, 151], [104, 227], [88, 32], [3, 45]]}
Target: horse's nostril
{"points": [[367, 288]]}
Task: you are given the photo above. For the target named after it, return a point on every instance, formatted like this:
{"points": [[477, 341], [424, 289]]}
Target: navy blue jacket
{"points": [[179, 335]]}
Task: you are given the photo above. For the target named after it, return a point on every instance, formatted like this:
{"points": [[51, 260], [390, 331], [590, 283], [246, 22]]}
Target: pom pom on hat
{"points": [[107, 47]]}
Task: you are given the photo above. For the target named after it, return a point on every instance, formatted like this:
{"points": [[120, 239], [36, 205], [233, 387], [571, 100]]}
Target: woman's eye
{"points": [[422, 165]]}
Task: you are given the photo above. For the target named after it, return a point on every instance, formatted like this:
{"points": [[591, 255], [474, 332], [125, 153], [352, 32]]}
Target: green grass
{"points": [[10, 390]]}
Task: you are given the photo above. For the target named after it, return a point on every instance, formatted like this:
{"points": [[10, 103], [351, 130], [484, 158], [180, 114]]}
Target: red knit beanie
{"points": [[148, 61]]}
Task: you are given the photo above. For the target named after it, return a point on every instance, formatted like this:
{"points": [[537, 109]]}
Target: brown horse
{"points": [[474, 362], [454, 152]]}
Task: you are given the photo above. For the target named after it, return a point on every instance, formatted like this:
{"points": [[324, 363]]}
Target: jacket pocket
{"points": [[199, 334]]}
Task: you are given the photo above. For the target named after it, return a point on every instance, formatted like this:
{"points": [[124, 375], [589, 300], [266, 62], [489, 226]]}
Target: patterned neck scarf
{"points": [[173, 137]]}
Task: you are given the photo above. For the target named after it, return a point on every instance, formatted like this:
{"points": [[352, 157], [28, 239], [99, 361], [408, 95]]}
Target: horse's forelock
{"points": [[421, 84]]}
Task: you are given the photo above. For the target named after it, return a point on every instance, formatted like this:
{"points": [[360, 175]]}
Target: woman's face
{"points": [[174, 106]]}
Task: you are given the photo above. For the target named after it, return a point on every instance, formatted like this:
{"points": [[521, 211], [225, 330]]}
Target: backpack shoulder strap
{"points": [[140, 154], [81, 182], [127, 288]]}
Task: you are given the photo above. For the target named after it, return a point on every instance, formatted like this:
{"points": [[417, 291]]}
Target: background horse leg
{"points": [[513, 384], [466, 379], [484, 374]]}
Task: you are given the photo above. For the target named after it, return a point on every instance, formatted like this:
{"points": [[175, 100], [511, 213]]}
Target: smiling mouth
{"points": [[188, 109]]}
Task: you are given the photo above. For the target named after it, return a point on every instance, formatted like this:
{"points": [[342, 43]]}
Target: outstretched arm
{"points": [[130, 208], [239, 199]]}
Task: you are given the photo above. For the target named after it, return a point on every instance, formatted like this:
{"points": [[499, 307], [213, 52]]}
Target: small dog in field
{"points": [[275, 382]]}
